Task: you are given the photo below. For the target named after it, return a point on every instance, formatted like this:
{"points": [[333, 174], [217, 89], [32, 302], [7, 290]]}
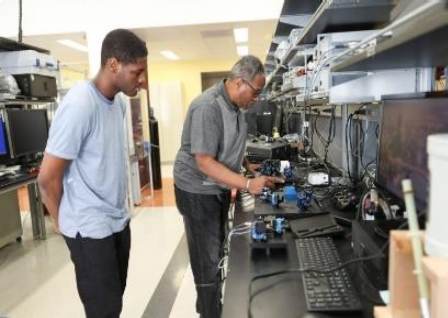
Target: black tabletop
{"points": [[13, 181], [281, 295]]}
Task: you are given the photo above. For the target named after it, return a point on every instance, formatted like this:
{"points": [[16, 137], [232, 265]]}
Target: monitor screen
{"points": [[3, 142], [28, 131], [293, 123], [265, 123], [406, 124]]}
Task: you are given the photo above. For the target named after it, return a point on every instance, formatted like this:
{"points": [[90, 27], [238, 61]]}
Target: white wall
{"points": [[166, 100]]}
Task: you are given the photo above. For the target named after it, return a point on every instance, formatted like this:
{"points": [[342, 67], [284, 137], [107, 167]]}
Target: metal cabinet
{"points": [[11, 223]]}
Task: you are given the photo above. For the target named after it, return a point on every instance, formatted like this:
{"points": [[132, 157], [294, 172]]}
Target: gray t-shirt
{"points": [[213, 126], [88, 130]]}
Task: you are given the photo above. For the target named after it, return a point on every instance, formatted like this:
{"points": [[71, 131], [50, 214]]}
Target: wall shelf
{"points": [[338, 16], [11, 45], [418, 39]]}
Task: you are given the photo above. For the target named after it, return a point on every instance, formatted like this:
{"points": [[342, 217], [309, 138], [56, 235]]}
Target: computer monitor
{"points": [[265, 123], [27, 131], [293, 123], [3, 141], [405, 126]]}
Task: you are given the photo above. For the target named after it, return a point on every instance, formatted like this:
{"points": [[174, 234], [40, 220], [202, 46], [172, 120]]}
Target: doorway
{"points": [[208, 79]]}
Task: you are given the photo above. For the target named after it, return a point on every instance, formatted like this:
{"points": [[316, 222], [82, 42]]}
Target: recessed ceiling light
{"points": [[169, 55], [241, 35], [72, 44], [242, 50]]}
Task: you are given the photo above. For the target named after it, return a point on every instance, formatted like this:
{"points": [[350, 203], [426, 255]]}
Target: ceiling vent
{"points": [[207, 34]]}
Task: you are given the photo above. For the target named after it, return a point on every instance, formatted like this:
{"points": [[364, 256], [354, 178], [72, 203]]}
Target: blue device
{"points": [[289, 175], [274, 198], [270, 167], [290, 193], [304, 198], [3, 143], [278, 225], [259, 231]]}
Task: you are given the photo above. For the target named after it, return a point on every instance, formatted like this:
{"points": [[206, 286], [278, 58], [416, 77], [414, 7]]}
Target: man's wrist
{"points": [[247, 184]]}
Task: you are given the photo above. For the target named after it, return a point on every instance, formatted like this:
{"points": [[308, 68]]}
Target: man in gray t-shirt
{"points": [[207, 166], [83, 174]]}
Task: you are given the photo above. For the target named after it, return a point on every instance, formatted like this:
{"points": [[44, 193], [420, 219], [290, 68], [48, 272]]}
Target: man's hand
{"points": [[257, 184], [50, 185], [55, 225], [253, 167]]}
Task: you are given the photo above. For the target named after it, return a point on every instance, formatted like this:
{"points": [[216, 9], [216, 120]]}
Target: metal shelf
{"points": [[301, 55], [284, 94], [314, 99], [11, 45], [10, 102], [294, 7], [418, 39], [276, 74], [338, 16]]}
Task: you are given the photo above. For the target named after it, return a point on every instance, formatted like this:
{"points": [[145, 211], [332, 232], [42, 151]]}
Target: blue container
{"points": [[290, 193]]}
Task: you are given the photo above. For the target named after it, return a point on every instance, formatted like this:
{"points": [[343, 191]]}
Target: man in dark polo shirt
{"points": [[208, 165]]}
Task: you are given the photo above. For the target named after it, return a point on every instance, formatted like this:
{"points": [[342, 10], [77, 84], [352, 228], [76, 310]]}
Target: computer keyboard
{"points": [[330, 292]]}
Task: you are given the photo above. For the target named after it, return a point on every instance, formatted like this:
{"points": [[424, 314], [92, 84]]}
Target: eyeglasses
{"points": [[257, 91]]}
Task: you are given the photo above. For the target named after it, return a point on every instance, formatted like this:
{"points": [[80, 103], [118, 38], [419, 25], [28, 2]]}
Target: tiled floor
{"points": [[37, 277], [162, 197]]}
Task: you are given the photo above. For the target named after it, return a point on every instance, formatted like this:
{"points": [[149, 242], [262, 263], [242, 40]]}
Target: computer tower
{"points": [[155, 153], [366, 242]]}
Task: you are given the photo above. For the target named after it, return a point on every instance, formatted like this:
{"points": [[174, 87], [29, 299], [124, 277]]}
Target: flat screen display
{"points": [[28, 131], [405, 127]]}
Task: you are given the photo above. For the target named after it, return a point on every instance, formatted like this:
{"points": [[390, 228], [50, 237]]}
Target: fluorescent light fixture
{"points": [[169, 55], [242, 50], [74, 45], [241, 35]]}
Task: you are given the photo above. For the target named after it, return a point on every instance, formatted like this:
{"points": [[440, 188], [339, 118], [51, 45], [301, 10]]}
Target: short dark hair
{"points": [[124, 45]]}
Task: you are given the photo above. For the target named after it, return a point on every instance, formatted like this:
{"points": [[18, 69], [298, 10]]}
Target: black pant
{"points": [[101, 267], [205, 220]]}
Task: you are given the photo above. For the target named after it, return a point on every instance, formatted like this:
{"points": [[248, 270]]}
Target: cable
{"points": [[240, 229], [347, 147], [331, 132], [303, 270]]}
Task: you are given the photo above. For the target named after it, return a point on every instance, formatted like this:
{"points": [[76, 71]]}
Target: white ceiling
{"points": [[71, 16], [191, 42], [210, 41]]}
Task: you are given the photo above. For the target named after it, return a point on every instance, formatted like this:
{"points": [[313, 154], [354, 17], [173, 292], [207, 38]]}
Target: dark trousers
{"points": [[101, 267], [205, 220]]}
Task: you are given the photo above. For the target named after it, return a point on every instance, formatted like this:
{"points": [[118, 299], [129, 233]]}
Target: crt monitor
{"points": [[3, 141], [405, 126], [28, 131]]}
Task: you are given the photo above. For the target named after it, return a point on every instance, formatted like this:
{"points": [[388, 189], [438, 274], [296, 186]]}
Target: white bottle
{"points": [[436, 241]]}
